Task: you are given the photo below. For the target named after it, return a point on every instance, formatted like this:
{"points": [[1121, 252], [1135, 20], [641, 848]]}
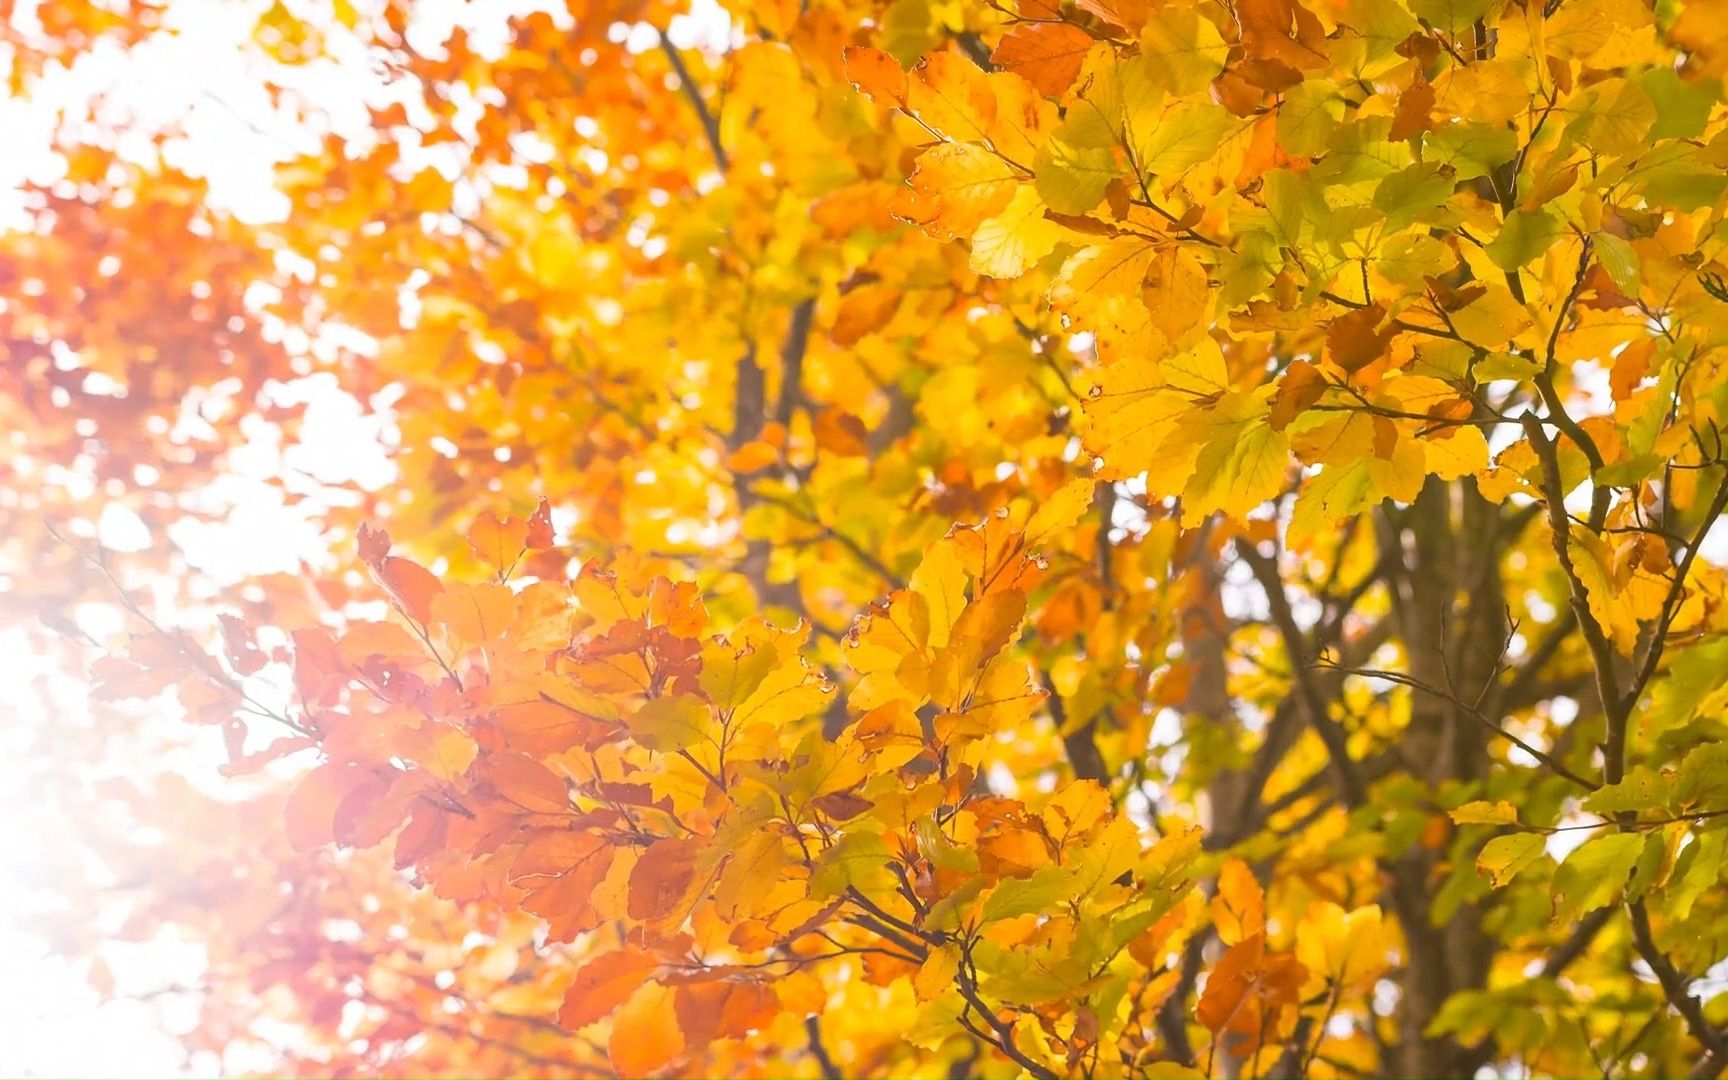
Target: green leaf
{"points": [[1594, 874], [1243, 464], [1676, 176], [1505, 857], [1630, 472], [1332, 494], [1309, 114], [1700, 781], [1524, 238], [1407, 194], [1646, 427], [1649, 863], [1693, 685], [1041, 892], [1642, 789], [1682, 106], [1505, 365], [1697, 872], [1619, 260], [1471, 149], [858, 860], [1183, 137], [1451, 15], [1070, 178]]}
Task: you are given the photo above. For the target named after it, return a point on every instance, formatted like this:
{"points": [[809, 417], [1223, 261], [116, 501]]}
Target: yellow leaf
{"points": [[955, 187], [1485, 813], [1178, 294], [1348, 950], [671, 723], [1134, 424], [1244, 461], [1492, 319], [1189, 49], [984, 628], [453, 750], [1006, 245], [1118, 266], [1609, 605], [1400, 475], [475, 614], [936, 976], [1460, 452], [941, 580], [1336, 492], [1059, 512]]}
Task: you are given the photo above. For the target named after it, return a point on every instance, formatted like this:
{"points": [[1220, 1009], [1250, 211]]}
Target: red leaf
{"points": [[374, 544], [319, 671], [310, 812], [540, 527]]}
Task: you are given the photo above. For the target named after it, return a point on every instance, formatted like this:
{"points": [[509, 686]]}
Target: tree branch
{"points": [[1313, 701], [813, 1029], [1601, 651], [710, 126], [1674, 987], [792, 351]]}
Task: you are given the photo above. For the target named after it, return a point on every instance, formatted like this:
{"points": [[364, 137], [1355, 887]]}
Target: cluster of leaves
{"points": [[1074, 539]]}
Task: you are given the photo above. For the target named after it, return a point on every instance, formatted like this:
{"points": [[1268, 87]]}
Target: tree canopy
{"points": [[1054, 538]]}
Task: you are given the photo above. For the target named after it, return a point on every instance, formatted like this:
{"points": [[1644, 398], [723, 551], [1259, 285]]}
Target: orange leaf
{"points": [[1248, 987], [1300, 387], [1239, 908], [603, 984], [496, 543], [862, 311], [876, 75], [645, 1032], [753, 456], [1354, 340], [1047, 55], [411, 585], [1414, 107], [839, 432], [661, 878], [1130, 15]]}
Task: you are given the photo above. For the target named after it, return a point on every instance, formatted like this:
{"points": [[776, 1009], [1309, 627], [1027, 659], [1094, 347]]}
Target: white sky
{"points": [[199, 79]]}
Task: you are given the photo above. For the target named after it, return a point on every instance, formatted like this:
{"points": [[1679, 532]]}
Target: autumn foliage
{"points": [[1062, 538]]}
